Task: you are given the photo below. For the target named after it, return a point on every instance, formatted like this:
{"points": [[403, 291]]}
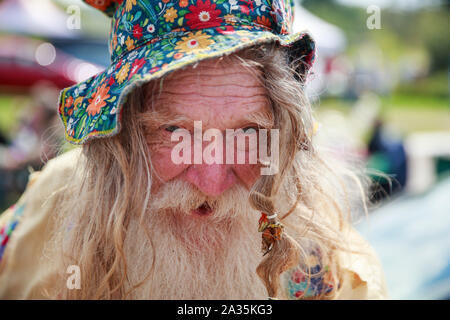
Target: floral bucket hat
{"points": [[150, 38]]}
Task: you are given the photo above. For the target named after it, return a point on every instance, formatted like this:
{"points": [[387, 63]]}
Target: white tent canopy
{"points": [[329, 38], [34, 17]]}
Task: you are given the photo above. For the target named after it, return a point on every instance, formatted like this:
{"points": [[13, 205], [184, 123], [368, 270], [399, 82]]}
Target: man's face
{"points": [[220, 95]]}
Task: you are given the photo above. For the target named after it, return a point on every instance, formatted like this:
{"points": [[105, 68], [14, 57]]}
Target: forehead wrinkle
{"points": [[214, 83], [231, 96], [204, 76], [240, 82], [233, 93], [211, 68], [263, 118], [176, 101], [211, 84], [226, 89]]}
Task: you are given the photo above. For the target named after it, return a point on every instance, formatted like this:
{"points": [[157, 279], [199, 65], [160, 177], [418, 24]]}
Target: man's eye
{"points": [[249, 129], [171, 128]]}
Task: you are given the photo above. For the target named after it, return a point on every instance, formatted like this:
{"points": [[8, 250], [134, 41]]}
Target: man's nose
{"points": [[211, 179]]}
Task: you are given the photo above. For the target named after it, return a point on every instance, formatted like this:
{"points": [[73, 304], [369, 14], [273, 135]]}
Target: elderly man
{"points": [[197, 150]]}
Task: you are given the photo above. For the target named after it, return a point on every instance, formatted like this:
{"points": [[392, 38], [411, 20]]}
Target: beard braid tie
{"points": [[280, 252], [271, 231]]}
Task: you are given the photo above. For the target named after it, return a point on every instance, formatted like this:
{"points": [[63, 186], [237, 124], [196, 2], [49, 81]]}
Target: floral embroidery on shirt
{"points": [[7, 229], [303, 282]]}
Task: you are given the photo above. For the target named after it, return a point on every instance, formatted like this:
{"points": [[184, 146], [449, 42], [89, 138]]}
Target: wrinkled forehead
{"points": [[218, 91], [216, 77]]}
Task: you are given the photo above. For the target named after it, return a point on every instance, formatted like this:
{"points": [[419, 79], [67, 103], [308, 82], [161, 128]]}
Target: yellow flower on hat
{"points": [[130, 43], [77, 102], [194, 42], [230, 19], [170, 15], [114, 41], [123, 73], [130, 4]]}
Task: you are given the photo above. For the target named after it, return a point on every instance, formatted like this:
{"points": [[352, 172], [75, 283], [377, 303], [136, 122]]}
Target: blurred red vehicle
{"points": [[24, 62]]}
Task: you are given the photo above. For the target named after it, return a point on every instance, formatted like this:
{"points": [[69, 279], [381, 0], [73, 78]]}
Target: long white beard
{"points": [[189, 257]]}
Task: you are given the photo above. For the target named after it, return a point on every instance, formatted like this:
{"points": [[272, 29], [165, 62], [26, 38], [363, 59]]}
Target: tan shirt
{"points": [[25, 275]]}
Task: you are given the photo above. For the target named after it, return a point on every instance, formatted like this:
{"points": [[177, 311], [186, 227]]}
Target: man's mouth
{"points": [[203, 210]]}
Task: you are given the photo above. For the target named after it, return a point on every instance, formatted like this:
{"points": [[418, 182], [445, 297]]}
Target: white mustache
{"points": [[180, 196]]}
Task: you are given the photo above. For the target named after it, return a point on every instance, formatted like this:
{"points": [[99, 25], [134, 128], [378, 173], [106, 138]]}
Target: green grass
{"points": [[10, 110], [435, 85], [418, 112], [407, 113], [416, 101]]}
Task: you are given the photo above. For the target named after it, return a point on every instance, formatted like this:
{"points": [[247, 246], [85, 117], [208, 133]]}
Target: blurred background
{"points": [[380, 90]]}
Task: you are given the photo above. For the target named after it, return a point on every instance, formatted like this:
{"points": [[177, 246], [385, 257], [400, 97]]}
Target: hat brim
{"points": [[93, 108]]}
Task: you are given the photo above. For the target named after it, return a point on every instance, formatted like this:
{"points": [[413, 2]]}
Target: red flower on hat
{"points": [[226, 30], [69, 102], [183, 3], [178, 55], [203, 15], [137, 64], [69, 105], [264, 21], [154, 69], [98, 100], [246, 8], [137, 31], [100, 4], [118, 64]]}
